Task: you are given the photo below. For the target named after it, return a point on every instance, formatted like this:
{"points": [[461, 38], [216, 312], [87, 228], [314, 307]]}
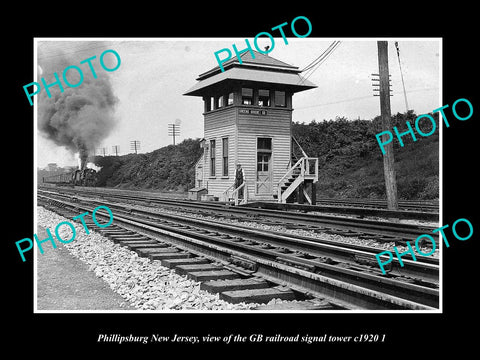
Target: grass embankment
{"points": [[350, 161]]}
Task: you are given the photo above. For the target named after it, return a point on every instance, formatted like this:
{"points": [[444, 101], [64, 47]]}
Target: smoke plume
{"points": [[78, 118]]}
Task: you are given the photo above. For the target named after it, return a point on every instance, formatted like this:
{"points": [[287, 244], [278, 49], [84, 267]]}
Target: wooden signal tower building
{"points": [[247, 121]]}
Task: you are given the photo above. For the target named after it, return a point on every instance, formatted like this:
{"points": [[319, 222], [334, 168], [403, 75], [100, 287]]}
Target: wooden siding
{"points": [[199, 167], [276, 125], [242, 131], [220, 124]]}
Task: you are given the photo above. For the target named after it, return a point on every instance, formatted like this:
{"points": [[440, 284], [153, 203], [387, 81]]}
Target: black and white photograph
{"points": [[274, 183], [239, 190]]}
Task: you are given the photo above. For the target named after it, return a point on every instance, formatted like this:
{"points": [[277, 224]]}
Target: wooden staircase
{"points": [[305, 170], [232, 194]]}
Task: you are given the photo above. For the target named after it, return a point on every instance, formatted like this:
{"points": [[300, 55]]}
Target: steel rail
{"points": [[246, 229], [381, 230], [357, 281]]}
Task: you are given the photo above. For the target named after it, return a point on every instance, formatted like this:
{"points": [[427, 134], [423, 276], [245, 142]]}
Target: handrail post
{"points": [[245, 192], [226, 195], [301, 149]]}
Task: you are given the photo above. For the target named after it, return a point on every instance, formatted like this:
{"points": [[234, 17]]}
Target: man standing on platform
{"points": [[239, 180]]}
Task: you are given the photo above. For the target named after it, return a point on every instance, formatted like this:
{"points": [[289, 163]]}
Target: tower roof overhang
{"points": [[261, 69], [292, 81]]}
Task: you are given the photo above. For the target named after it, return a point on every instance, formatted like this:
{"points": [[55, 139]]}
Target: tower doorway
{"points": [[263, 184]]}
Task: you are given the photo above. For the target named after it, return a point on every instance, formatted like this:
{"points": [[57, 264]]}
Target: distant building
{"points": [[247, 121], [52, 167]]}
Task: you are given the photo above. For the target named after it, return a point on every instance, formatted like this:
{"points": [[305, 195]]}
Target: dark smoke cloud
{"points": [[80, 117]]}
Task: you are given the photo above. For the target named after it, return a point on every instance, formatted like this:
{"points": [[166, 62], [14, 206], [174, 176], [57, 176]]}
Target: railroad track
{"points": [[242, 263], [427, 205], [350, 207], [380, 231]]}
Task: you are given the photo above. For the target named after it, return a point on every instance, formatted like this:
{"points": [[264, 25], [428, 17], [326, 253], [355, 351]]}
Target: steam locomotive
{"points": [[84, 177]]}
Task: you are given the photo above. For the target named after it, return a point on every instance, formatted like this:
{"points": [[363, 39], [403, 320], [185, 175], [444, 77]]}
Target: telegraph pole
{"points": [[135, 145], [173, 132], [174, 129], [388, 158]]}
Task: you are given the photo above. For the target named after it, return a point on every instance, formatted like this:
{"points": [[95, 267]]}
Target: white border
{"points": [[214, 312]]}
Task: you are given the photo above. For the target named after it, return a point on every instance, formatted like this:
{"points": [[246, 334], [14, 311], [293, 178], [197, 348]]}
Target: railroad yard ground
{"points": [[100, 271], [131, 270], [80, 290]]}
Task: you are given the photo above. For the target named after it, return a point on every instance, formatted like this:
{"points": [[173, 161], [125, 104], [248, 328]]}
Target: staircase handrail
{"points": [[306, 167], [301, 149], [245, 193], [304, 164], [226, 197], [298, 163]]}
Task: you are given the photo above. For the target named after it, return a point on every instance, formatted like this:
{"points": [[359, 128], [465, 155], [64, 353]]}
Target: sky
{"points": [[154, 74]]}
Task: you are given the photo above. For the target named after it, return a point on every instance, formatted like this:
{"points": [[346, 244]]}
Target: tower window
{"points": [[264, 144], [280, 98], [220, 102], [264, 97], [212, 157], [225, 156], [230, 99], [208, 104], [247, 96]]}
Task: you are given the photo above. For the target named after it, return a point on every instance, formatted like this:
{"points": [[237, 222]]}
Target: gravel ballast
{"points": [[285, 230], [382, 246], [144, 284], [147, 285]]}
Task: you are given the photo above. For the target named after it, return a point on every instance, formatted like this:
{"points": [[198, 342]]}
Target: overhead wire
{"points": [[319, 57], [315, 64], [359, 98], [401, 74]]}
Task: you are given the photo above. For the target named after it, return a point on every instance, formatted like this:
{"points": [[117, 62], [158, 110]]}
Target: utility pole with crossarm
{"points": [[388, 158]]}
